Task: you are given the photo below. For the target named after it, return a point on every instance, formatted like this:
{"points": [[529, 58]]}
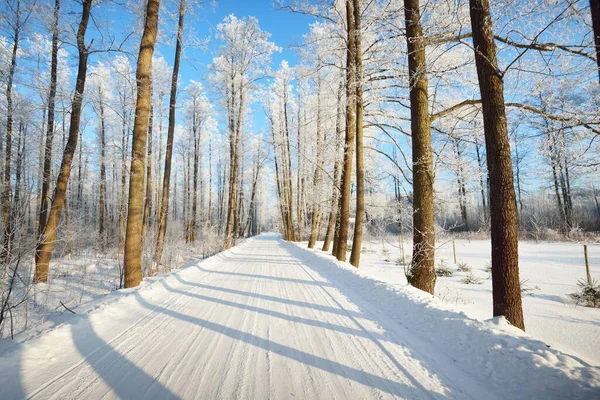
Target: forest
{"points": [[123, 156]]}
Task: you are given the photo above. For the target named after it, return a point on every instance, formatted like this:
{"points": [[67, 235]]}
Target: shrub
{"points": [[525, 288], [464, 267], [471, 279], [386, 255], [402, 261], [589, 295], [444, 272], [443, 269]]}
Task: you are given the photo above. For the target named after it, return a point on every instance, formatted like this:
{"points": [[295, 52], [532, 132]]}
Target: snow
{"points": [[270, 319], [549, 270]]}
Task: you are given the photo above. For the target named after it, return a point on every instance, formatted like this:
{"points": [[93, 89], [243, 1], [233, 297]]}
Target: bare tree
{"points": [[164, 204], [506, 288], [360, 167], [133, 239], [342, 231], [47, 171], [47, 238], [422, 269]]}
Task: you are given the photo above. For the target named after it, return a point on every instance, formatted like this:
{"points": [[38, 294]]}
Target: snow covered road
{"points": [[267, 320]]}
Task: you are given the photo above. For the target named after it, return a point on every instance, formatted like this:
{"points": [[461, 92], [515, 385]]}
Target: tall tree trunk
{"points": [[195, 182], [462, 191], [164, 204], [45, 244], [123, 202], [316, 210], [148, 202], [336, 171], [360, 168], [506, 288], [422, 269], [210, 186], [482, 185], [595, 10], [299, 172], [102, 202], [47, 172], [342, 234], [133, 239], [518, 178], [6, 193]]}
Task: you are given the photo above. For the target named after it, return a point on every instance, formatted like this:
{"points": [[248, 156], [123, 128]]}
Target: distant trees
{"points": [[243, 56]]}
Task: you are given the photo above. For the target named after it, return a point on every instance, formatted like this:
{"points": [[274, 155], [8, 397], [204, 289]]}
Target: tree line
{"points": [[470, 89]]}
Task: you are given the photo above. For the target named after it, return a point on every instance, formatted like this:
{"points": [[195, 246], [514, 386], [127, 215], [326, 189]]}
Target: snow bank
{"points": [[507, 358]]}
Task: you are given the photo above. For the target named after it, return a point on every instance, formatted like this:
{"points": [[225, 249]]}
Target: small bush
{"points": [[589, 295], [525, 288], [471, 279], [443, 269], [386, 255], [402, 261], [464, 267], [444, 272]]}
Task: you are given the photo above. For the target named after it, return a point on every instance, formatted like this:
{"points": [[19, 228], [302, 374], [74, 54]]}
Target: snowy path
{"points": [[253, 323]]}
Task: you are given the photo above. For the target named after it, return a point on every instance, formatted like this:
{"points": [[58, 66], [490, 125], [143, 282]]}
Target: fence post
{"points": [[587, 265]]}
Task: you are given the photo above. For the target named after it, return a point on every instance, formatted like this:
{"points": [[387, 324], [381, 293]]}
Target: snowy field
{"points": [[274, 319], [549, 272]]}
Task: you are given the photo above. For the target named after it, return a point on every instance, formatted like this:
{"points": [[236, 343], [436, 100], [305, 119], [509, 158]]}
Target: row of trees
{"points": [[133, 169], [438, 47], [149, 164]]}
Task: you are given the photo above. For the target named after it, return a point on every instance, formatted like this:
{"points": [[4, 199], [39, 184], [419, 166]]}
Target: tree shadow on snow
{"points": [[331, 366], [449, 330]]}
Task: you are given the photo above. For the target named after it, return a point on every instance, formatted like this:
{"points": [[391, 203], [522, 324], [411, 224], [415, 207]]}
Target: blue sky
{"points": [[286, 30]]}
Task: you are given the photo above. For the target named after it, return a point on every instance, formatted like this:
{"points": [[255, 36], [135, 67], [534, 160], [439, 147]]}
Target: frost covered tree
{"points": [[244, 57]]}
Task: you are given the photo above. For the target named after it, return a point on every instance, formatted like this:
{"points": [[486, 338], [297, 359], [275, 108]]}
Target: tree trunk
{"points": [[6, 193], [195, 180], [336, 172], [595, 11], [148, 202], [342, 234], [133, 239], [422, 270], [47, 172], [102, 202], [462, 192], [299, 172], [506, 288], [482, 185], [360, 168], [164, 204], [316, 210], [45, 245]]}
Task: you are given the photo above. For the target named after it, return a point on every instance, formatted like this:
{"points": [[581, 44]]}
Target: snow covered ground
{"points": [[549, 272], [270, 319]]}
